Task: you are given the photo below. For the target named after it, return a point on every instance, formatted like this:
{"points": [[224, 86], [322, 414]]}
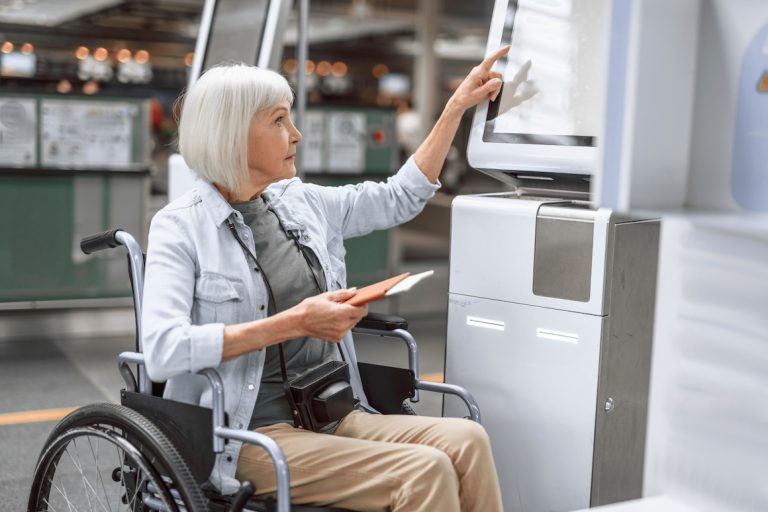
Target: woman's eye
{"points": [[279, 120]]}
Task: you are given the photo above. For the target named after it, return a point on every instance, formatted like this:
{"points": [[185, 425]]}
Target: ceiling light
{"points": [[124, 55], [290, 66], [323, 68], [142, 56], [64, 87], [100, 54], [339, 68], [379, 70], [360, 9]]}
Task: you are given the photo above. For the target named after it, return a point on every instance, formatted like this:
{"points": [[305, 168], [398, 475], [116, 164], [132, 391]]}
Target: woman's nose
{"points": [[296, 136]]}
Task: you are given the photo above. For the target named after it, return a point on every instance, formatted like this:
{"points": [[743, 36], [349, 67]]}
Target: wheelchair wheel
{"points": [[111, 458]]}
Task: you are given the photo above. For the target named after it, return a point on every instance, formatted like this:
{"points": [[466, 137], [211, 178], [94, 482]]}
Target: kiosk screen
{"points": [[553, 75]]}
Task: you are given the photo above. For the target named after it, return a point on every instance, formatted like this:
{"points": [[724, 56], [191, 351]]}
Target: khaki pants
{"points": [[375, 462]]}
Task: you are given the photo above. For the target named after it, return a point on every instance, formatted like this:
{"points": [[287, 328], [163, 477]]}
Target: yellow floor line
{"points": [[432, 377], [14, 418]]}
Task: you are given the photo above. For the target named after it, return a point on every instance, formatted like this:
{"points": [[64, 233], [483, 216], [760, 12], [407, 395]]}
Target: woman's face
{"points": [[272, 140]]}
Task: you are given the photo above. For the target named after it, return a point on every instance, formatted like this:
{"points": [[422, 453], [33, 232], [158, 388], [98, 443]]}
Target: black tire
{"points": [[407, 409], [139, 446]]}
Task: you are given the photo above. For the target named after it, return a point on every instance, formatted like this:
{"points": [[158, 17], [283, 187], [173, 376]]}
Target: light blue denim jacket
{"points": [[198, 279]]}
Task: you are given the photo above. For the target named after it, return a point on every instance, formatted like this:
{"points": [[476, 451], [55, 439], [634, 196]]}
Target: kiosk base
{"points": [[550, 321]]}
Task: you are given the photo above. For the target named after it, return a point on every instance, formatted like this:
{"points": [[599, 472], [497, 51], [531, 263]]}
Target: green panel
{"points": [[381, 154], [39, 255], [367, 258], [34, 238]]}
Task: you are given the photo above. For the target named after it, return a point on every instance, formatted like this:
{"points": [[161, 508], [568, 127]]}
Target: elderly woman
{"points": [[252, 259]]}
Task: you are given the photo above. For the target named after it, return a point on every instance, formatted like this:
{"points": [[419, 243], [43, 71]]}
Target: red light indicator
{"points": [[762, 84], [378, 136]]}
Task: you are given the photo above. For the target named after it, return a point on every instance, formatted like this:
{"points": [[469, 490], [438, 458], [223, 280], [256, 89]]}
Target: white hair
{"points": [[216, 115]]}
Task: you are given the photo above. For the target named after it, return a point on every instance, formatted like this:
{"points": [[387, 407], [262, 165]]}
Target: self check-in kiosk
{"points": [[551, 300]]}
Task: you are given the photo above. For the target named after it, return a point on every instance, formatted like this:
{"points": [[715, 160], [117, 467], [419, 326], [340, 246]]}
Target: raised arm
{"points": [[481, 83]]}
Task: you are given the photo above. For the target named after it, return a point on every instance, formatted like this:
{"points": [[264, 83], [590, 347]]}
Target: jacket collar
{"points": [[218, 207], [220, 210], [273, 195]]}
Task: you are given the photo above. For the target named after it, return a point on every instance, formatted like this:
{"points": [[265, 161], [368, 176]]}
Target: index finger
{"points": [[488, 62]]}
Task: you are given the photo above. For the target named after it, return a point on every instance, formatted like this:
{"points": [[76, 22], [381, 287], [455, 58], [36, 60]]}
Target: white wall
{"points": [[707, 440], [726, 29]]}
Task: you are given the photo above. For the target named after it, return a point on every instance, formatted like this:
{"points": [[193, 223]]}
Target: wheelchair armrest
{"points": [[123, 360], [453, 389], [221, 431], [390, 326], [381, 322]]}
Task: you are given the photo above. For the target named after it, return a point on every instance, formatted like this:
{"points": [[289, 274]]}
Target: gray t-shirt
{"points": [[292, 277]]}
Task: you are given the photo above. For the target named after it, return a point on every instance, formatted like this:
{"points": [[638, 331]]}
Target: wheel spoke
{"points": [[63, 495], [98, 471], [122, 476], [85, 479], [76, 450], [79, 465], [48, 504], [136, 490]]}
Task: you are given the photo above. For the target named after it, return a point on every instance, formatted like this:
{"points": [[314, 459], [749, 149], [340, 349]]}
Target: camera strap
{"points": [[273, 305]]}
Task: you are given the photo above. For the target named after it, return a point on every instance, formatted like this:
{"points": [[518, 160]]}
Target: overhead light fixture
{"points": [[91, 87], [361, 9], [323, 68], [100, 54], [379, 70], [142, 57], [290, 66], [124, 55], [339, 68], [64, 87]]}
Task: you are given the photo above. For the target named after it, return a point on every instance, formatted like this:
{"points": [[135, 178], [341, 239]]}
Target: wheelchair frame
{"points": [[376, 325]]}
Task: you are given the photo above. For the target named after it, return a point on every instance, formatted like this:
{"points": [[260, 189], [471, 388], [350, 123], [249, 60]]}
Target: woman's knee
{"points": [[465, 433], [436, 463]]}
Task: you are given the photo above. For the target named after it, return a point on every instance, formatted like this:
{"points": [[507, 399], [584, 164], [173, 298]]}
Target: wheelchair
{"points": [[153, 454]]}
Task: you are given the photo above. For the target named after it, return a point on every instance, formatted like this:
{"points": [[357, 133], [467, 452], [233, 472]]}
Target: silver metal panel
{"points": [[534, 374], [562, 260], [249, 31], [625, 364], [493, 250], [236, 32]]}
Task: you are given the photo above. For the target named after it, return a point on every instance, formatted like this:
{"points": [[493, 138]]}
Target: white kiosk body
{"points": [[551, 301], [550, 320]]}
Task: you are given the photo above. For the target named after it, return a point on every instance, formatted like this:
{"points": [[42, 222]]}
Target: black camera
{"points": [[322, 396]]}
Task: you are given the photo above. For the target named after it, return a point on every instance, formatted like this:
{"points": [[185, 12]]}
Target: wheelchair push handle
{"points": [[100, 241]]}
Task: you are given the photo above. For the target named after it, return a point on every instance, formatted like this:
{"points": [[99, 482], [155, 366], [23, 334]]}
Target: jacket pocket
{"points": [[216, 299]]}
